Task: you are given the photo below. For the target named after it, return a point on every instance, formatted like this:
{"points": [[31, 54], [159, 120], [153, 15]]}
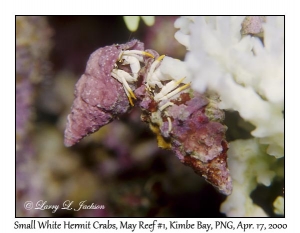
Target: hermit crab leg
{"points": [[153, 67], [132, 58], [135, 54], [170, 86], [176, 91], [170, 124], [123, 77], [129, 97], [165, 106]]}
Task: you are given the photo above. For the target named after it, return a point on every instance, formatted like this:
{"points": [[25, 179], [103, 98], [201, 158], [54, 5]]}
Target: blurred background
{"points": [[120, 166]]}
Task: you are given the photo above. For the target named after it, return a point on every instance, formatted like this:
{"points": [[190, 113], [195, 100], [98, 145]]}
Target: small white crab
{"points": [[155, 78], [168, 86], [133, 59]]}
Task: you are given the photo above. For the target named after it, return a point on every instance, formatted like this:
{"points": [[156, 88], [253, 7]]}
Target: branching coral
{"points": [[242, 60], [249, 166], [279, 205], [240, 69]]}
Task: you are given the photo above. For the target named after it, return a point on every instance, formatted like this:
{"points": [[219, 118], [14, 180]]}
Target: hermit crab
{"points": [[184, 121], [155, 79], [133, 59]]}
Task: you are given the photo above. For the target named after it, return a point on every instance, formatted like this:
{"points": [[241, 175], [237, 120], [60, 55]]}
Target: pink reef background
{"points": [[120, 166]]}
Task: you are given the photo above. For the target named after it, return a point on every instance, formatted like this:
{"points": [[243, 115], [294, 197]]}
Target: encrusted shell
{"points": [[99, 98]]}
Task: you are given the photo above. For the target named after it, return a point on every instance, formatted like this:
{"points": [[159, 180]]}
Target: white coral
{"points": [[279, 205], [248, 74], [249, 166]]}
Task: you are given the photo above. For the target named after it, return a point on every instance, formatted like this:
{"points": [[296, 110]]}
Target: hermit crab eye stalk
{"points": [[133, 59]]}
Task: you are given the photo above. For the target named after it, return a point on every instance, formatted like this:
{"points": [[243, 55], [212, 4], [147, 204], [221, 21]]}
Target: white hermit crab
{"points": [[133, 59], [167, 85], [155, 78]]}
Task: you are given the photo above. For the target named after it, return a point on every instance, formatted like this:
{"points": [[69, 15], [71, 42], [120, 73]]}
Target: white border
{"points": [[174, 7]]}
